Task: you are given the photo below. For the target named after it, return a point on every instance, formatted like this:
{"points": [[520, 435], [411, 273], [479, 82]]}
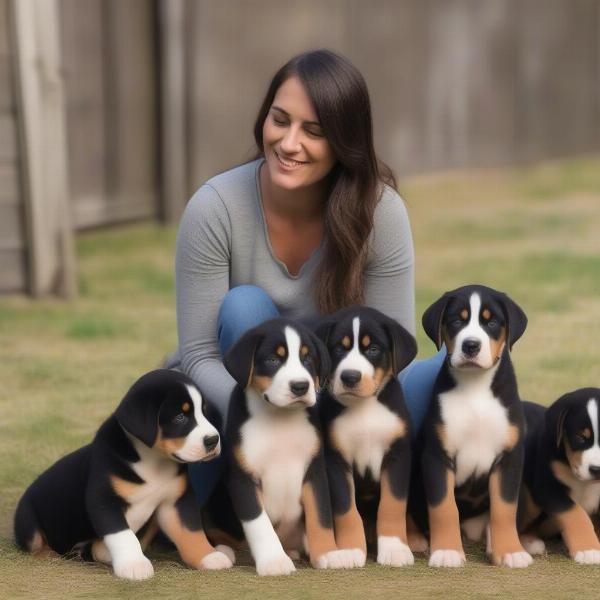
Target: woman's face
{"points": [[297, 153]]}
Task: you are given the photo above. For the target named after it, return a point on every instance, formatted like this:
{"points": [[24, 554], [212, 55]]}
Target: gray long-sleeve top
{"points": [[223, 242]]}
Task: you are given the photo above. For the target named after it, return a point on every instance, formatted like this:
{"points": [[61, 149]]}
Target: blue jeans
{"points": [[247, 306]]}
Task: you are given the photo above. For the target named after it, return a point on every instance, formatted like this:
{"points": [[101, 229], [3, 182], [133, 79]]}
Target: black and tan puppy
{"points": [[96, 499], [277, 479], [472, 441], [561, 490], [367, 431]]}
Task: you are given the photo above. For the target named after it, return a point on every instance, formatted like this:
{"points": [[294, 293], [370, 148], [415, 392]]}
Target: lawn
{"points": [[531, 232]]}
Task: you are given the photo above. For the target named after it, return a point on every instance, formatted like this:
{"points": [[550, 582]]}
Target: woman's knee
{"points": [[243, 308]]}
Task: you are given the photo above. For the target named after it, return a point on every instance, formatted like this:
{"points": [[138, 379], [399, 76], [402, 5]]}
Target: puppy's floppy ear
{"points": [[432, 319], [324, 366], [138, 411], [516, 319], [555, 418], [239, 359], [324, 328], [404, 345]]}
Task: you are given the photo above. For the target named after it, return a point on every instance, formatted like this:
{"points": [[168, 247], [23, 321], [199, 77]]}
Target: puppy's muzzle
{"points": [[350, 377], [210, 442], [594, 471], [299, 388], [471, 347]]}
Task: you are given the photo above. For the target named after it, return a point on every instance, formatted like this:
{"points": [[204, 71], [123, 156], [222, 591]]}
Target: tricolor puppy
{"points": [[561, 490], [96, 499], [472, 442], [367, 431], [276, 471]]}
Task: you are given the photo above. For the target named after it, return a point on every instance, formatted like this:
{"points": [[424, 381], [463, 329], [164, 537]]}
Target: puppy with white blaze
{"points": [[132, 479], [471, 445], [367, 431], [276, 472], [561, 491]]}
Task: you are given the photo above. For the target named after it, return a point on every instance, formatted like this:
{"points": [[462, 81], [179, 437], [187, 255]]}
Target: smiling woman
{"points": [[312, 225]]}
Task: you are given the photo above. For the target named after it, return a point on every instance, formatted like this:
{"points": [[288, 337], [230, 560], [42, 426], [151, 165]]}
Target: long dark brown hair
{"points": [[341, 100]]}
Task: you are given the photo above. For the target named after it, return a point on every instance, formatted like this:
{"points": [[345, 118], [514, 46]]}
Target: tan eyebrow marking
{"points": [[346, 342], [464, 315], [366, 341], [486, 314], [303, 351], [185, 407], [280, 351], [587, 433]]}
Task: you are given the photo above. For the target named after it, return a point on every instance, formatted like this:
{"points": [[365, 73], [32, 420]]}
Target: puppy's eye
{"points": [[338, 350], [307, 361], [492, 323], [373, 350], [180, 419], [273, 361]]}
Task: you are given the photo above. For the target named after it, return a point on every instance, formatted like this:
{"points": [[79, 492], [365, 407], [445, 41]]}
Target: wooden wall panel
{"points": [[13, 264]]}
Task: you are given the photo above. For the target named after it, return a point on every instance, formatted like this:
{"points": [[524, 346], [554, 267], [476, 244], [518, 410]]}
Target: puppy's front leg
{"points": [[505, 481], [579, 535], [444, 525], [105, 509], [182, 522], [265, 546], [392, 545], [349, 528], [316, 502]]}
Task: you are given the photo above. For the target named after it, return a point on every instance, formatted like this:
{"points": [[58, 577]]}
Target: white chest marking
{"points": [[477, 426], [584, 493], [363, 434], [278, 450], [159, 475]]}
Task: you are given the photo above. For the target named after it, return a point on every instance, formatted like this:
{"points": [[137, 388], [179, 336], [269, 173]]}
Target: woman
{"points": [[312, 225]]}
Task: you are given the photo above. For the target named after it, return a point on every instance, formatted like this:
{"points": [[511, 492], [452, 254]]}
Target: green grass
{"points": [[65, 365]]}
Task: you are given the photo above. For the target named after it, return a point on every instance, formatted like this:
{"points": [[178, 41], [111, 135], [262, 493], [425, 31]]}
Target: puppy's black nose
{"points": [[595, 472], [299, 388], [210, 442], [471, 347], [350, 377]]}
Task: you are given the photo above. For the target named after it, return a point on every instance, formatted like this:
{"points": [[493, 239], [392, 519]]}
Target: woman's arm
{"points": [[389, 274], [202, 265]]}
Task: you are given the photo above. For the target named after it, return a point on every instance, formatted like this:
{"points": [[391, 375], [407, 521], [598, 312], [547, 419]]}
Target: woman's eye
{"points": [[179, 419], [315, 133], [279, 122]]}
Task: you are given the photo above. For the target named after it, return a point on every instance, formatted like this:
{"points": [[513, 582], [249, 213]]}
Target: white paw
{"points": [[588, 557], [140, 568], [215, 561], [516, 560], [392, 551], [447, 558], [280, 564], [342, 559], [534, 545], [227, 551]]}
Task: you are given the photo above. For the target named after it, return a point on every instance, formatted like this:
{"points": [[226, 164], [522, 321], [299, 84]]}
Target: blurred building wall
{"points": [[159, 95], [453, 83]]}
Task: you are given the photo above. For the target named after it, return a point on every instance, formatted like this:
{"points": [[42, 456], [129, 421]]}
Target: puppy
{"points": [[471, 445], [277, 479], [367, 431], [561, 490], [96, 499]]}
